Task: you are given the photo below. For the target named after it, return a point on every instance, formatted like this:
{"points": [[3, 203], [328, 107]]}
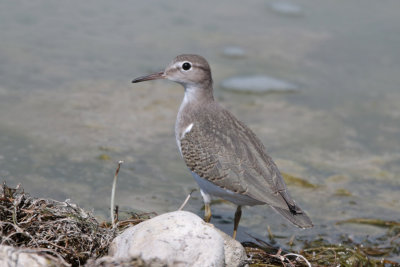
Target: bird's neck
{"points": [[195, 98], [196, 95]]}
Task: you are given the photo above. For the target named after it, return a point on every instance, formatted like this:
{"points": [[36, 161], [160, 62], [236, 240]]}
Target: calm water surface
{"points": [[66, 103]]}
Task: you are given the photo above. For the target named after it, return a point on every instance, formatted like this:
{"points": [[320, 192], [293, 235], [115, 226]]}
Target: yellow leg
{"points": [[207, 212], [238, 214]]}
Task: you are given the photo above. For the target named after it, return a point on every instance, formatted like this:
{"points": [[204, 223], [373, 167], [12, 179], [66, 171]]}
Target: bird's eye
{"points": [[186, 66]]}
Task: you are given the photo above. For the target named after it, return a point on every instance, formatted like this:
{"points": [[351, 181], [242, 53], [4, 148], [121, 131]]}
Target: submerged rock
{"points": [[286, 8], [234, 52], [257, 84], [178, 238]]}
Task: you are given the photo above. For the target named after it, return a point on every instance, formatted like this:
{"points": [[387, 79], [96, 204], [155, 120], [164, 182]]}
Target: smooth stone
{"points": [[235, 254], [233, 52], [178, 238], [21, 257], [286, 8], [257, 84]]}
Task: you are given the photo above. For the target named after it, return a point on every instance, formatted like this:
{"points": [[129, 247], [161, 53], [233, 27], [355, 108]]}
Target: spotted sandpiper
{"points": [[225, 157]]}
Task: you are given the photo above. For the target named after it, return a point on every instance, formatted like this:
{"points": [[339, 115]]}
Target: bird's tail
{"points": [[296, 216]]}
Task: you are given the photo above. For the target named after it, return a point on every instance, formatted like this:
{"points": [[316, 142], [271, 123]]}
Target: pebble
{"points": [[21, 257]]}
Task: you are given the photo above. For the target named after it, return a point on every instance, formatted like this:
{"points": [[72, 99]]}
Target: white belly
{"points": [[209, 189]]}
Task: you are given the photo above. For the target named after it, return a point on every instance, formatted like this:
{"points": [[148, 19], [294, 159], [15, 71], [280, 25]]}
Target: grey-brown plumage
{"points": [[224, 155], [226, 152]]}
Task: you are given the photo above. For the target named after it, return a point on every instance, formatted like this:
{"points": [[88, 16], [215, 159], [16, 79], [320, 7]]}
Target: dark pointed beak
{"points": [[154, 76]]}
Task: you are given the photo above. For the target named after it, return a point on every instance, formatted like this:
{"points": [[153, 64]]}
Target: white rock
{"points": [[17, 257], [178, 238]]}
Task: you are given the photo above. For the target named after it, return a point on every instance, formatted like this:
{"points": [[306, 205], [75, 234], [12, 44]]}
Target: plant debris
{"points": [[62, 228], [325, 254], [317, 254]]}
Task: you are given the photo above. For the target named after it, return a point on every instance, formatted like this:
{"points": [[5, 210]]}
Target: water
{"points": [[66, 101]]}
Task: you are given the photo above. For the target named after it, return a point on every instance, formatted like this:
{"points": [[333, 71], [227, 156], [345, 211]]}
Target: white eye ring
{"points": [[186, 66]]}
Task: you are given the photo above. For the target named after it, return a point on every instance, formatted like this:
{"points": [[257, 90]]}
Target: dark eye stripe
{"points": [[201, 67]]}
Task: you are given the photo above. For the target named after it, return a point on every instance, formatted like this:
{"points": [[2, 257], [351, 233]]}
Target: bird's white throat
{"points": [[189, 97]]}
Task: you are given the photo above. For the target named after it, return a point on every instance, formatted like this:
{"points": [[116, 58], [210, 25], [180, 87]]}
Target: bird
{"points": [[225, 157]]}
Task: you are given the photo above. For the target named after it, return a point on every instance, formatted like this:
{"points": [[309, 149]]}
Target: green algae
{"points": [[342, 192], [104, 157], [296, 181], [374, 222]]}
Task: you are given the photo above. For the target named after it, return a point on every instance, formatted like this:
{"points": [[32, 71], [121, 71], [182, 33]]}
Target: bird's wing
{"points": [[227, 153]]}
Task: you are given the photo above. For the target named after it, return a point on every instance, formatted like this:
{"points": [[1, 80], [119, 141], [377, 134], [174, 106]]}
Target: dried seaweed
{"points": [[62, 228], [345, 255], [321, 253], [266, 255]]}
